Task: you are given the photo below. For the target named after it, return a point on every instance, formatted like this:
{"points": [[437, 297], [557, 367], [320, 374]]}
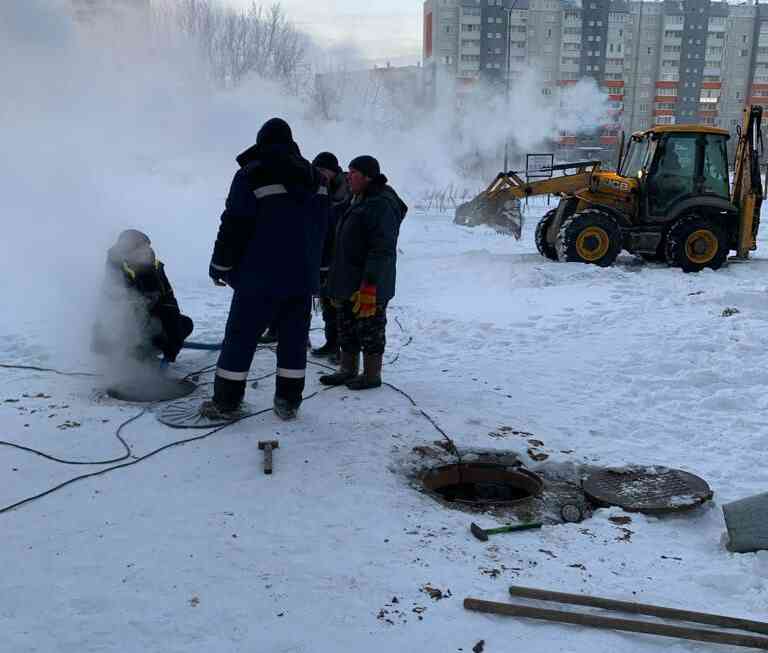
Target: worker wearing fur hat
{"points": [[361, 279]]}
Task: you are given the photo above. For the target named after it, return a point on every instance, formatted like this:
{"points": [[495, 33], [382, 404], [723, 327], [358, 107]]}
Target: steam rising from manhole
{"points": [[482, 483]]}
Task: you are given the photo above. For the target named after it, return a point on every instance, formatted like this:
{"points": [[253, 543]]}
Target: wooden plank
{"points": [[626, 625], [640, 608]]}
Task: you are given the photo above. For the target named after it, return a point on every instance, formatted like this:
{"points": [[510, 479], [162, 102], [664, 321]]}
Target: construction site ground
{"points": [[196, 550]]}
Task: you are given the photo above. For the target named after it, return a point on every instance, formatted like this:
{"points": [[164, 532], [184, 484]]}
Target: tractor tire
{"points": [[545, 249], [589, 236], [695, 243]]}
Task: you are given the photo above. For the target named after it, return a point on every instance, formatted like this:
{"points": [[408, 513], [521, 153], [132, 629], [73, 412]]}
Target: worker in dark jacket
{"points": [[362, 276], [268, 250], [142, 318], [338, 188]]}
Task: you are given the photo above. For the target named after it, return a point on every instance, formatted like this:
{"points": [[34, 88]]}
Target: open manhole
{"points": [[482, 483], [647, 489], [151, 388]]}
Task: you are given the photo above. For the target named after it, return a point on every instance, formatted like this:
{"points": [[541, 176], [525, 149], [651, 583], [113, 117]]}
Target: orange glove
{"points": [[364, 301]]}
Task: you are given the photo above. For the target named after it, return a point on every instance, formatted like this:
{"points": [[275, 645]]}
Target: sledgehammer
{"points": [[482, 534], [266, 446]]}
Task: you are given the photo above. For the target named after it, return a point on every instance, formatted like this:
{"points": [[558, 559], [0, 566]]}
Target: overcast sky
{"points": [[382, 29]]}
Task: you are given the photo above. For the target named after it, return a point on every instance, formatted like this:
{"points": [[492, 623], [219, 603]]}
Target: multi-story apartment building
{"points": [[658, 61]]}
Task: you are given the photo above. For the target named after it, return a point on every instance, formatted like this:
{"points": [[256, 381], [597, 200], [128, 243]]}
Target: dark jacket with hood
{"points": [[366, 243], [271, 235]]}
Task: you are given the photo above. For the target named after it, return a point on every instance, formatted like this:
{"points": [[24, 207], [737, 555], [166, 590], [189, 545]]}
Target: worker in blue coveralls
{"points": [[268, 250]]}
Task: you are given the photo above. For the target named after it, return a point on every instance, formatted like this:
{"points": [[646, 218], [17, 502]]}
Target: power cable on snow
{"points": [[129, 453]]}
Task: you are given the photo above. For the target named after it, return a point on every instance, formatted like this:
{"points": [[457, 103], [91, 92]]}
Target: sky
{"points": [[383, 30]]}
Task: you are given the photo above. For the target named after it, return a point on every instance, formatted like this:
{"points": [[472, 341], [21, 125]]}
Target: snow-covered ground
{"points": [[195, 550]]}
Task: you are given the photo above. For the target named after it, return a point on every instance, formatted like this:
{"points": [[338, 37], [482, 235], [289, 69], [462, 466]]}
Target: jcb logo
{"points": [[617, 185]]}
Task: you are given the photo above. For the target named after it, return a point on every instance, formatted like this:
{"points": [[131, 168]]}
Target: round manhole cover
{"points": [[482, 483], [151, 388], [647, 489]]}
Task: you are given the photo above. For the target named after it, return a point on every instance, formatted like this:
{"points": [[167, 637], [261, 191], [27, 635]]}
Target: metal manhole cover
{"points": [[146, 389], [185, 414], [647, 489]]}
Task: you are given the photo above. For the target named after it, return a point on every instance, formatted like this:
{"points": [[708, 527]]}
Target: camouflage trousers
{"points": [[367, 334]]}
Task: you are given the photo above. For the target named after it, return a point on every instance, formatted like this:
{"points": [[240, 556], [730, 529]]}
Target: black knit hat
{"points": [[327, 161], [366, 165], [275, 132]]}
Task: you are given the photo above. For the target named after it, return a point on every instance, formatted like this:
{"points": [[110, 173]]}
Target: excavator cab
{"points": [[683, 167], [670, 199]]}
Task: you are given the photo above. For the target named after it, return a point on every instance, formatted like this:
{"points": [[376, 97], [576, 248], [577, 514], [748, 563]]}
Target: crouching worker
{"points": [[268, 250], [361, 280], [140, 317]]}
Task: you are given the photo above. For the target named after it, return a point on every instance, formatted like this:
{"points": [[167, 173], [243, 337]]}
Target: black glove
{"points": [[218, 275]]}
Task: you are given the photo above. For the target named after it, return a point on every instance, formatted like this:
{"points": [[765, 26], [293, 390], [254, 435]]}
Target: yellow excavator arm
{"points": [[567, 183], [499, 205], [747, 193]]}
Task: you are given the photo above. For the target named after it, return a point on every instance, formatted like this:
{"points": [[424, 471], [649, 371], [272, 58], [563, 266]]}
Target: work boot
{"points": [[227, 399], [350, 364], [328, 349], [213, 411], [285, 409], [371, 376]]}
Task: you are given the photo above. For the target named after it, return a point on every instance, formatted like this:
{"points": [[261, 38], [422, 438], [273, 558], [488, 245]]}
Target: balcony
{"points": [[470, 49]]}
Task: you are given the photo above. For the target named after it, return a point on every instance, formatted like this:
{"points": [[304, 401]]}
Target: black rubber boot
{"points": [[350, 364], [371, 376], [227, 399], [285, 409]]}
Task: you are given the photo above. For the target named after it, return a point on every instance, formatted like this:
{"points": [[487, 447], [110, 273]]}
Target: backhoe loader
{"points": [[670, 199]]}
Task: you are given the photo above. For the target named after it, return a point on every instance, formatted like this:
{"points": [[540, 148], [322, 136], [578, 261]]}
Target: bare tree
{"points": [[238, 43]]}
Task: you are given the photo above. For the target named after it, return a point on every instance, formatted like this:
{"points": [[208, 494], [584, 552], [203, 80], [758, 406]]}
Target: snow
{"points": [[195, 549]]}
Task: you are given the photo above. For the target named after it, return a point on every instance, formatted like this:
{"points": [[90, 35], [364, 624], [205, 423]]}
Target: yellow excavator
{"points": [[669, 200]]}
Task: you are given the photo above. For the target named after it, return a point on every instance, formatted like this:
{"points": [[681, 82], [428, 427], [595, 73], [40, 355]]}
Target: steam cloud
{"points": [[108, 129]]}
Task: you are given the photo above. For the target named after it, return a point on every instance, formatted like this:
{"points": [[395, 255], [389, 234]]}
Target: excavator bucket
{"points": [[495, 208]]}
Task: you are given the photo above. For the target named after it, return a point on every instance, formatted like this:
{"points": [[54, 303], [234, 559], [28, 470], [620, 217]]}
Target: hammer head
{"points": [[273, 444], [478, 532]]}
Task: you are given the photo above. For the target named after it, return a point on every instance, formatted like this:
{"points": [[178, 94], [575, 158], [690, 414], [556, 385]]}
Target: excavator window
{"points": [[672, 176], [637, 157], [715, 171]]}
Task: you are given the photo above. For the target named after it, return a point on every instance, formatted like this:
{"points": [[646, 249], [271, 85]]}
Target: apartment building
{"points": [[658, 61]]}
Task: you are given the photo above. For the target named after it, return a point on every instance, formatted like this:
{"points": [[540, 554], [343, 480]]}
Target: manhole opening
{"points": [[482, 483], [148, 389]]}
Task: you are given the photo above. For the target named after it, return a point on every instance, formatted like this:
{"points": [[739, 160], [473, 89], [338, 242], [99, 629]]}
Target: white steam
{"points": [[119, 127]]}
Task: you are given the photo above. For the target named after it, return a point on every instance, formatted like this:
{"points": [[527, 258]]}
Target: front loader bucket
{"points": [[500, 212]]}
